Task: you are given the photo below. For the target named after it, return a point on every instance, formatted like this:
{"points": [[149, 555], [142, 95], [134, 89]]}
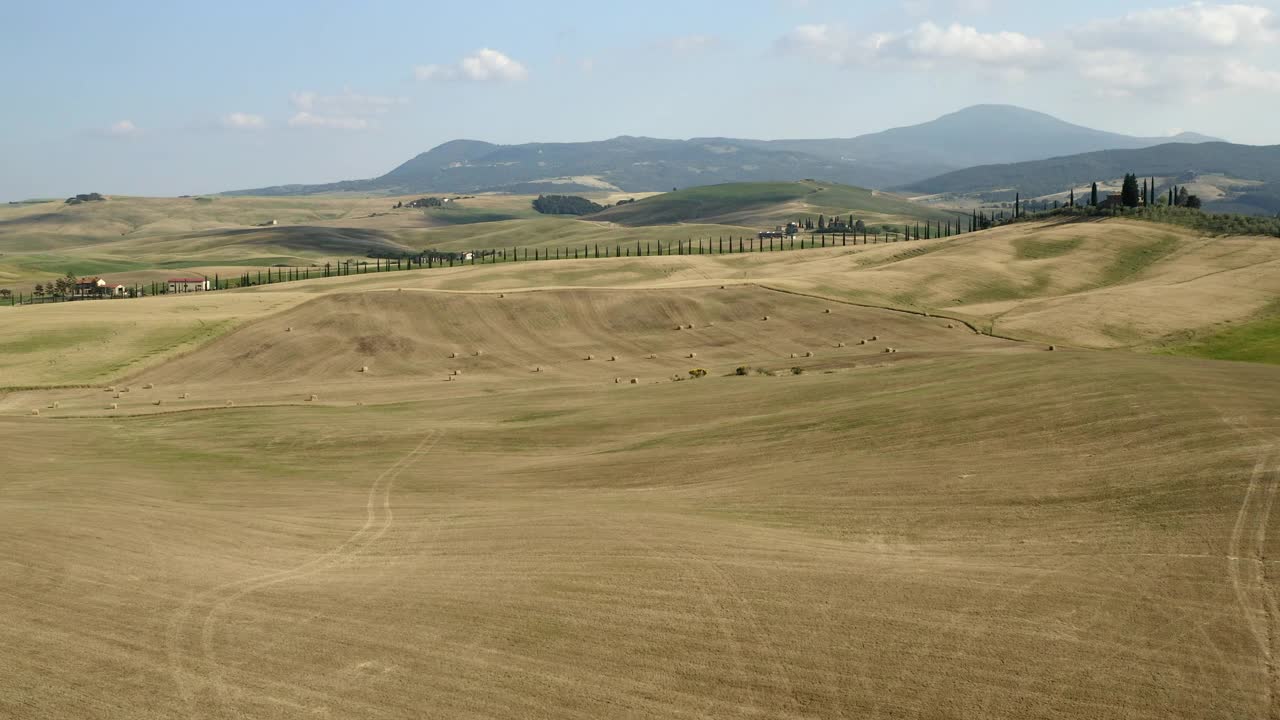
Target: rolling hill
{"points": [[1256, 170], [438, 494], [980, 134], [767, 205]]}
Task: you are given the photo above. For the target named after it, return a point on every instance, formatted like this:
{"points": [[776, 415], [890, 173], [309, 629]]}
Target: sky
{"points": [[177, 97]]}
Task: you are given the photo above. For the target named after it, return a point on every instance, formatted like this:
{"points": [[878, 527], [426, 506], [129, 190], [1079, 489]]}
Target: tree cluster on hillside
{"points": [[84, 197], [565, 205], [426, 202]]}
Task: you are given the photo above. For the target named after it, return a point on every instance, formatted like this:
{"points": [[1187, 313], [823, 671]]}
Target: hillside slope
{"points": [[768, 204], [1172, 163]]}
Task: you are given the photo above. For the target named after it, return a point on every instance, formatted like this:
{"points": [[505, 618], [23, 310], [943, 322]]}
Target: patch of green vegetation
{"points": [[536, 416], [1131, 261], [62, 264], [704, 202], [1257, 340], [998, 289], [55, 340], [1029, 249]]}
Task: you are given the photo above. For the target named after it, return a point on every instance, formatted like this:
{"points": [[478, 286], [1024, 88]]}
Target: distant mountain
{"points": [[1257, 166], [976, 135]]}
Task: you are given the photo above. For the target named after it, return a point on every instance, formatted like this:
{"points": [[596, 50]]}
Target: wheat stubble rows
{"points": [[214, 604], [973, 531]]}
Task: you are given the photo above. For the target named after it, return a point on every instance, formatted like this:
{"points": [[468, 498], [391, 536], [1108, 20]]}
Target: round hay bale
{"points": [[183, 396], [116, 396], [289, 329], [453, 355], [839, 344], [617, 381], [826, 311], [231, 403], [479, 353], [157, 402], [111, 388], [457, 372], [311, 397], [1052, 348], [148, 386], [35, 411], [501, 295], [793, 355], [950, 326], [862, 342], [652, 356], [613, 358], [591, 357], [364, 368], [692, 355], [537, 369], [55, 405], [766, 317], [875, 338], [888, 350], [679, 327], [113, 406], [689, 326], [808, 354], [721, 287], [635, 381]]}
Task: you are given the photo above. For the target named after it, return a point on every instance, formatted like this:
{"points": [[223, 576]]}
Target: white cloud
{"points": [[483, 66], [304, 119], [689, 44], [347, 110], [1182, 30], [1243, 76], [923, 46], [123, 128], [244, 121], [345, 103]]}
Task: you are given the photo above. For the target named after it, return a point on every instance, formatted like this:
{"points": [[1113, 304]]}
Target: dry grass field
{"points": [[412, 495]]}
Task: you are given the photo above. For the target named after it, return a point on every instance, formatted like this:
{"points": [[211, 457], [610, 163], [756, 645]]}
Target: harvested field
{"points": [[485, 525]]}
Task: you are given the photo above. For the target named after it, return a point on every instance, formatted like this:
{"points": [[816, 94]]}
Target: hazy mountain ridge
{"points": [[900, 156]]}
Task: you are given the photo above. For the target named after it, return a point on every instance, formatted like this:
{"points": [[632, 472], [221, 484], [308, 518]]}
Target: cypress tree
{"points": [[1017, 204], [1093, 195]]}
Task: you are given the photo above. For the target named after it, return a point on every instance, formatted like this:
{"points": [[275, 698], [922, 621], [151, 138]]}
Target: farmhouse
{"points": [[1112, 200], [181, 285], [89, 287], [779, 231]]}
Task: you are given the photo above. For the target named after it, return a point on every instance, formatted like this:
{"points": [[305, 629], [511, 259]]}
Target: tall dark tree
{"points": [[1146, 197], [1072, 202], [1093, 195], [822, 223], [1182, 196], [1017, 204], [1129, 191]]}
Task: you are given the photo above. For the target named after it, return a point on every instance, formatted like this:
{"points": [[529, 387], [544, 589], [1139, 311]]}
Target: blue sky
{"points": [[177, 97]]}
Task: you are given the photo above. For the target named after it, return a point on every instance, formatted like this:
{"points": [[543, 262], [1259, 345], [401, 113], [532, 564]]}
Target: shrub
{"points": [[742, 370], [797, 371], [698, 373]]}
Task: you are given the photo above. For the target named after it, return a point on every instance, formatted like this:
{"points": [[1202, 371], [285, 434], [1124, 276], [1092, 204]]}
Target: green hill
{"points": [[768, 204], [1256, 169]]}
